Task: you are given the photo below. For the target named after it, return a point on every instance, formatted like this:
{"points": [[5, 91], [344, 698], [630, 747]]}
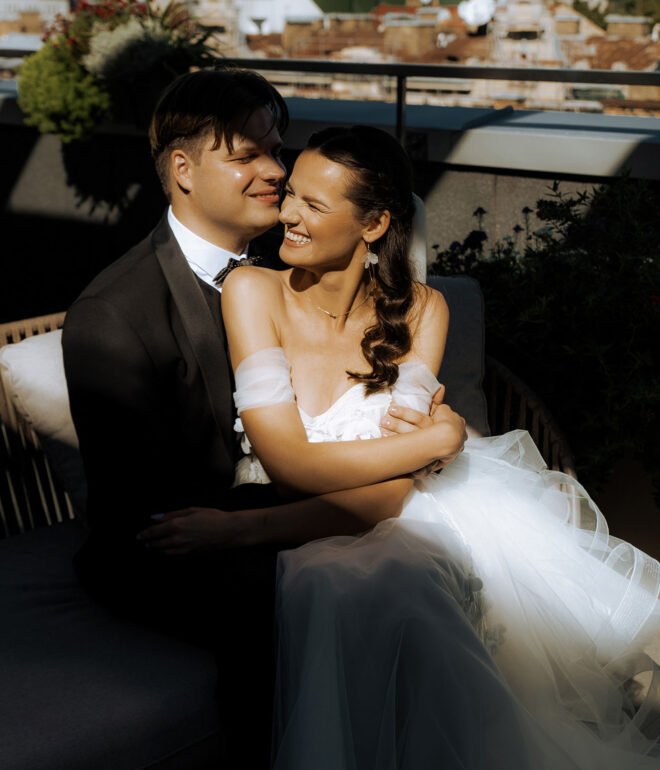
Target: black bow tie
{"points": [[220, 277]]}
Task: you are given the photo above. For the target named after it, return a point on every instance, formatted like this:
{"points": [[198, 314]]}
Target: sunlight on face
{"points": [[234, 195], [321, 224]]}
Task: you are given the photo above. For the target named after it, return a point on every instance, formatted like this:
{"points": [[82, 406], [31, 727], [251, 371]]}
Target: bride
{"points": [[487, 620], [376, 666]]}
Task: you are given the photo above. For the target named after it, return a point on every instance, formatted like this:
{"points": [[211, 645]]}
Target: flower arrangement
{"points": [[108, 59]]}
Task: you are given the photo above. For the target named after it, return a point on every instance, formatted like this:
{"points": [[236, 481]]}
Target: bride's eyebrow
{"points": [[315, 201], [288, 187]]}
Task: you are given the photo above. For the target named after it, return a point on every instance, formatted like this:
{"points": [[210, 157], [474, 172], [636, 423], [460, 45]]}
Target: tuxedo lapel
{"points": [[205, 333]]}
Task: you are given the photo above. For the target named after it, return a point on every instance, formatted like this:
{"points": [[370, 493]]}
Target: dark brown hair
{"points": [[211, 101], [381, 180]]}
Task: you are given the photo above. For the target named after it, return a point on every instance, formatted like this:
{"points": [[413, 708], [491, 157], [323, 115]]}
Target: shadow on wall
{"points": [[67, 212]]}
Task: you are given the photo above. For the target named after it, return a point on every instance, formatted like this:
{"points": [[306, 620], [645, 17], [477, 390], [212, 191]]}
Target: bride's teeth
{"points": [[298, 238]]}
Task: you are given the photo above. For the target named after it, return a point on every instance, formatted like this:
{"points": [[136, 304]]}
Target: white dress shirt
{"points": [[205, 258]]}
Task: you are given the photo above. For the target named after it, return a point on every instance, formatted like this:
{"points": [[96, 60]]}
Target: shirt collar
{"points": [[205, 258]]}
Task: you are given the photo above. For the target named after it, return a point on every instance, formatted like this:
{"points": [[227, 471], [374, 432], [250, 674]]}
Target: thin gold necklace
{"points": [[334, 316]]}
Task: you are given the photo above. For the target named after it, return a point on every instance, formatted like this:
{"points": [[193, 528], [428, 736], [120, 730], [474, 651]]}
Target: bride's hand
{"points": [[182, 532], [401, 419], [451, 428]]}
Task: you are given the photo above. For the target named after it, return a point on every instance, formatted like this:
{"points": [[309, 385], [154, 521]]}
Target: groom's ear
{"points": [[377, 227], [180, 170]]}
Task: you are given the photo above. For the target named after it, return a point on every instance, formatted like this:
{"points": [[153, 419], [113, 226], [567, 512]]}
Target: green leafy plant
{"points": [[58, 96], [573, 306], [108, 59]]}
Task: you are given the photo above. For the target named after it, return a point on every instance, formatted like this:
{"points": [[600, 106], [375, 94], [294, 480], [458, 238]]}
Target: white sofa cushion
{"points": [[33, 377], [417, 250]]}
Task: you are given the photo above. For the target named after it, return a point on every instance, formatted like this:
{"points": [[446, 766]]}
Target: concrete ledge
{"points": [[529, 141]]}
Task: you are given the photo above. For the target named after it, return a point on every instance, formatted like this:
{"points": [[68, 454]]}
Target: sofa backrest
{"points": [[33, 379], [463, 365]]}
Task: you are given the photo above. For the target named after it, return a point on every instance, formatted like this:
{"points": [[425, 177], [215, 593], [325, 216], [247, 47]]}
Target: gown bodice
{"points": [[264, 379]]}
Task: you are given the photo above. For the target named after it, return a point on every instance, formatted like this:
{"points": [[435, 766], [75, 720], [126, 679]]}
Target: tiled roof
{"points": [[635, 54], [461, 49], [382, 8]]}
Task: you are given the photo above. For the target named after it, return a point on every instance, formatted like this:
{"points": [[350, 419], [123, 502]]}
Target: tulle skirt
{"points": [[495, 624]]}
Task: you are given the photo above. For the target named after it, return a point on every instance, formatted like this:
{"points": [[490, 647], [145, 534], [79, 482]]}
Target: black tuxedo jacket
{"points": [[150, 389]]}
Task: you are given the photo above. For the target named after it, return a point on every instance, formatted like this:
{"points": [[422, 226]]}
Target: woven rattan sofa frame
{"points": [[31, 495]]}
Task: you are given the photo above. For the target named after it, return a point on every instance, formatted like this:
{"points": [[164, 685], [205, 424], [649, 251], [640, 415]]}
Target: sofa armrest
{"points": [[512, 404], [31, 494]]}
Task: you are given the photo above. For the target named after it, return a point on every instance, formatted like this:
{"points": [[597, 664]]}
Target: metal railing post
{"points": [[401, 108]]}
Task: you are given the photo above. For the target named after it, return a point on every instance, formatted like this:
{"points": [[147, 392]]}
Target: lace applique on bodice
{"points": [[264, 379]]}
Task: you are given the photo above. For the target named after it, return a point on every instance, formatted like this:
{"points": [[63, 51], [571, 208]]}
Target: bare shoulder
{"points": [[251, 309], [252, 291], [429, 325], [250, 280], [430, 308]]}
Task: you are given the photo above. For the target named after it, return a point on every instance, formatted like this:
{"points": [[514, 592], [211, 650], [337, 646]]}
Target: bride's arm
{"points": [[345, 512], [250, 310]]}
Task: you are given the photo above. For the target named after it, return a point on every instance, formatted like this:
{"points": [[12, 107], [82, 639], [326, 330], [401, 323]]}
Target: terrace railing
{"points": [[401, 72]]}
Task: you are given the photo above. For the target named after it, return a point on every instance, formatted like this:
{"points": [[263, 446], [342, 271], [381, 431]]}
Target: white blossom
{"points": [[107, 45]]}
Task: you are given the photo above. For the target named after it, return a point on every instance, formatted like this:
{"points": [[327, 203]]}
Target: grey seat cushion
{"points": [[463, 366], [80, 689]]}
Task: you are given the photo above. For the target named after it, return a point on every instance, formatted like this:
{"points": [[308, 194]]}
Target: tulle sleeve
{"points": [[415, 386], [263, 379]]}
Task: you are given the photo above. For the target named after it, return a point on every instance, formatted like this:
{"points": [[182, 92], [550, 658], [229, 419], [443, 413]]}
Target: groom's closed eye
{"points": [[249, 152]]}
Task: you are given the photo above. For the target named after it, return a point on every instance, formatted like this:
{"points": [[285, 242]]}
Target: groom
{"points": [[150, 389]]}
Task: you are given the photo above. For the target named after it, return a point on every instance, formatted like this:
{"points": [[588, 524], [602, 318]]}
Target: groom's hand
{"points": [[191, 530]]}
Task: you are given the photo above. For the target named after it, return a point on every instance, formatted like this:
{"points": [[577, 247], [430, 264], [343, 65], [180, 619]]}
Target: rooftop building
{"points": [[628, 26]]}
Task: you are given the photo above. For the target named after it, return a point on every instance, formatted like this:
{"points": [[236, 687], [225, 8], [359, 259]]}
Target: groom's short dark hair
{"points": [[216, 102]]}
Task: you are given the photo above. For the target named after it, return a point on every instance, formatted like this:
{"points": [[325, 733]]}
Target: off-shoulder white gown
{"points": [[493, 625]]}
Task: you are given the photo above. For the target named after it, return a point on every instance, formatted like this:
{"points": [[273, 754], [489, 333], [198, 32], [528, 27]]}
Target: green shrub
{"points": [[58, 96], [574, 308]]}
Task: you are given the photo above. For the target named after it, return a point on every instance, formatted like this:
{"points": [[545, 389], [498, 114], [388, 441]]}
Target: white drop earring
{"points": [[370, 258]]}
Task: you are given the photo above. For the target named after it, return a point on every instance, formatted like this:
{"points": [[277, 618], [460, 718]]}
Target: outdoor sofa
{"points": [[82, 689]]}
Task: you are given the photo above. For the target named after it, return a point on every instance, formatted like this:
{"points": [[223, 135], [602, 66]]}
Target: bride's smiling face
{"points": [[322, 228]]}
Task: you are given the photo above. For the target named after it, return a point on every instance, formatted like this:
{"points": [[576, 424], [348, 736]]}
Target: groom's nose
{"points": [[273, 169]]}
